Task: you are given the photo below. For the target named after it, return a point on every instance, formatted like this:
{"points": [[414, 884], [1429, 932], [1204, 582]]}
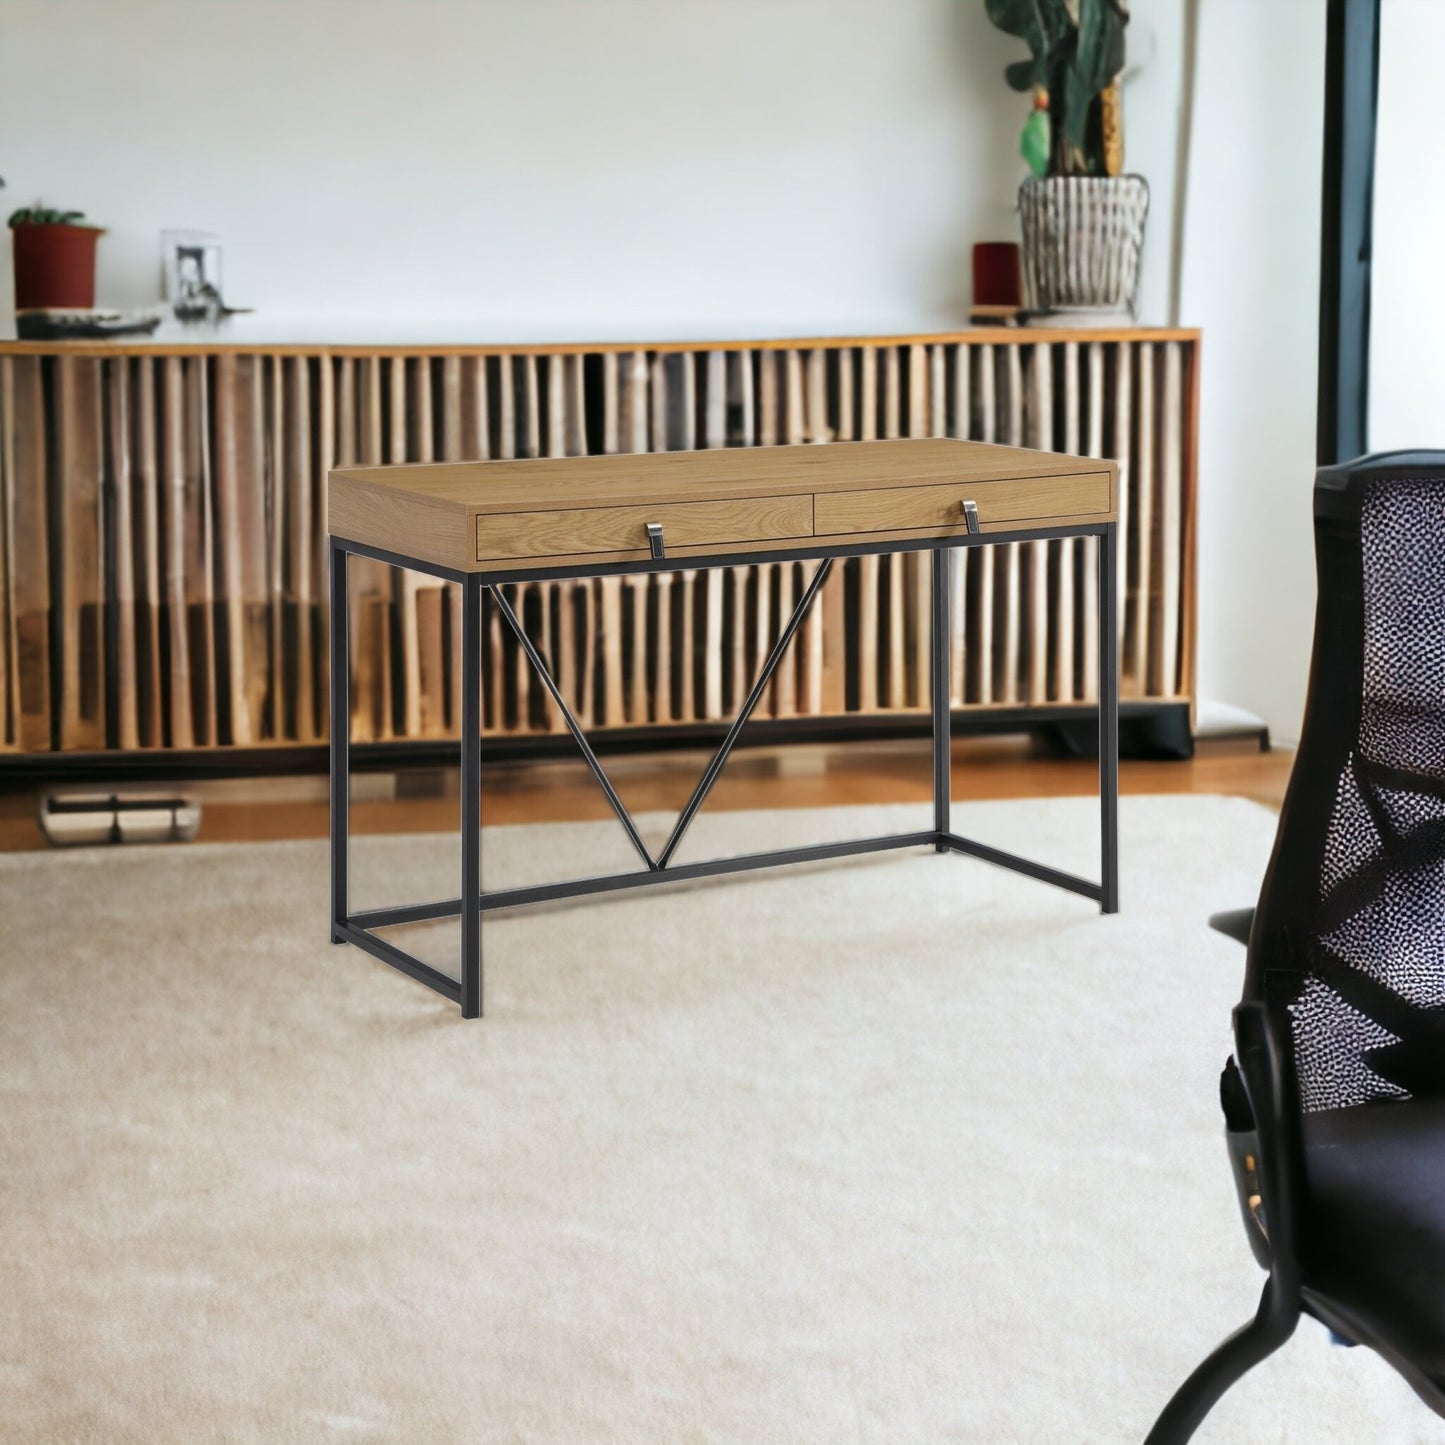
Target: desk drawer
{"points": [[940, 509], [517, 535]]}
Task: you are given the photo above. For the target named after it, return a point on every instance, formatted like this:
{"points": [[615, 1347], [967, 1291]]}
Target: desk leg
{"points": [[939, 683], [471, 796], [340, 663], [1109, 716]]}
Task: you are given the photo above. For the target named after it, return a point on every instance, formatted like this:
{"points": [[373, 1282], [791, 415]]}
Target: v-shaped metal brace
{"points": [[719, 758]]}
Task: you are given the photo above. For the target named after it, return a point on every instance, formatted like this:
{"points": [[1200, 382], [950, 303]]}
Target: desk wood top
{"points": [[445, 512], [543, 483]]}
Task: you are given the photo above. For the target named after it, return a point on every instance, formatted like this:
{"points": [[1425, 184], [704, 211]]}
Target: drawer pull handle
{"points": [[970, 517], [654, 540]]}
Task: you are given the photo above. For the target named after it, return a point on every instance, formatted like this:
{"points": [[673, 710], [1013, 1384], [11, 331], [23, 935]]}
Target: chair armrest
{"points": [[1234, 923], [1274, 1101]]}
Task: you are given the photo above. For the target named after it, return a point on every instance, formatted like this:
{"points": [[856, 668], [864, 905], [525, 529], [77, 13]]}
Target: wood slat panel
{"points": [[1124, 453], [1040, 625], [961, 562], [1093, 446], [81, 526], [1171, 526], [1063, 643], [1138, 669], [181, 732], [248, 557], [1011, 428], [150, 601], [119, 457], [9, 650], [983, 598]]}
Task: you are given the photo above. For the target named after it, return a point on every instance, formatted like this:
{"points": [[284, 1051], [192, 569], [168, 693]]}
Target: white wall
{"points": [[1153, 100], [1407, 310], [569, 168], [1251, 279], [585, 169]]}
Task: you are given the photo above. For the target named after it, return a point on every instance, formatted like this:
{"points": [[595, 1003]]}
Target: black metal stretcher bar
{"points": [[348, 927], [717, 867]]}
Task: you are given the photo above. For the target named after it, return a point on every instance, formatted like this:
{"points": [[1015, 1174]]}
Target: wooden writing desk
{"points": [[485, 524]]}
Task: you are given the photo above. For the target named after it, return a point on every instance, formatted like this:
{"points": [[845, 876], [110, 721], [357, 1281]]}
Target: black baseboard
{"points": [[1146, 730], [1155, 734]]}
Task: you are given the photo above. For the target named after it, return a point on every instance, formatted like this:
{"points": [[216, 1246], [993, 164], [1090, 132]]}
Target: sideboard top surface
{"points": [[363, 340], [438, 511]]}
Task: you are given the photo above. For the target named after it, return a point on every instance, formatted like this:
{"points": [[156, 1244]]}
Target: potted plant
{"points": [[54, 258], [1082, 220]]}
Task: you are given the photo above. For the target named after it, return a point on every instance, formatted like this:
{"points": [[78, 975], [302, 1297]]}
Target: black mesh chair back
{"points": [[1348, 948], [1335, 1099]]}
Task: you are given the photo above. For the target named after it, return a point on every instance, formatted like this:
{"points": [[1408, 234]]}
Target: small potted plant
{"points": [[54, 258], [1082, 220]]}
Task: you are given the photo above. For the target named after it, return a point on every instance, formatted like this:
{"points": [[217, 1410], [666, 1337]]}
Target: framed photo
{"points": [[191, 263]]}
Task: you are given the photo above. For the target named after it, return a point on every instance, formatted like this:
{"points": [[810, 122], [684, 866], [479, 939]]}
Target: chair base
{"points": [[1242, 1351], [1274, 1322]]}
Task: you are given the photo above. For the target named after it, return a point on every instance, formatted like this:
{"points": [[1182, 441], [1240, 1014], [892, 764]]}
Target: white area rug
{"points": [[898, 1149]]}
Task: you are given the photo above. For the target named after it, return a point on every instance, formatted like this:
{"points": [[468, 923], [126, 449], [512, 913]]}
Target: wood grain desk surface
{"points": [[562, 511]]}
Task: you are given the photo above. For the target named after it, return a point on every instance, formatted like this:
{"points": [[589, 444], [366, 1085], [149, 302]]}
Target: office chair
{"points": [[1334, 1100]]}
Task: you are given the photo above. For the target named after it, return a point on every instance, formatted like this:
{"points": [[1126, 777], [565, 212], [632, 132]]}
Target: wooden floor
{"points": [[791, 777]]}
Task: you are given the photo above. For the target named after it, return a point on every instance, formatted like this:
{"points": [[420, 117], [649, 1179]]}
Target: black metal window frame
{"points": [[472, 902], [1347, 218]]}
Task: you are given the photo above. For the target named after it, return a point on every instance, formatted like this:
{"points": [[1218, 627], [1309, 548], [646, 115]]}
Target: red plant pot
{"points": [[54, 265]]}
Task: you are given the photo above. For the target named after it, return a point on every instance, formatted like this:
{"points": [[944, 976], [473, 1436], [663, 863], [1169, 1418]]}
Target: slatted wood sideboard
{"points": [[162, 578]]}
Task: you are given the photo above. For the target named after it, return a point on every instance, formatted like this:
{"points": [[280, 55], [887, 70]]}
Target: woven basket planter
{"points": [[1081, 241]]}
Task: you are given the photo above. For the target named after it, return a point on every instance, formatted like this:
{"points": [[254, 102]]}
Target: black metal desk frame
{"points": [[472, 903]]}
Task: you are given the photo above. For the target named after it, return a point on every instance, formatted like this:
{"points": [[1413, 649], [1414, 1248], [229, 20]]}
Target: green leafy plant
{"points": [[1076, 53], [39, 215]]}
